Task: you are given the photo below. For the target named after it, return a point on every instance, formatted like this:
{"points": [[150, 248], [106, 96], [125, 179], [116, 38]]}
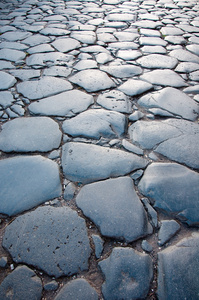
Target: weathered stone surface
{"points": [[128, 274], [77, 289], [87, 163], [86, 64], [129, 54], [135, 87], [115, 100], [184, 55], [12, 54], [96, 123], [174, 189], [44, 87], [167, 230], [92, 80], [173, 101], [164, 77], [98, 242], [66, 44], [6, 80], [157, 61], [25, 74], [39, 60], [117, 212], [22, 283], [6, 99], [122, 71], [177, 280], [57, 233], [66, 104], [13, 36], [26, 182], [30, 134]]}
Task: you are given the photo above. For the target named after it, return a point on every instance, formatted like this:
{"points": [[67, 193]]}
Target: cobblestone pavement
{"points": [[99, 149]]}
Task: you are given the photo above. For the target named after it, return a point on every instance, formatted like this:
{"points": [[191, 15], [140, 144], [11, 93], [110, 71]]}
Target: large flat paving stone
{"points": [[157, 61], [6, 80], [173, 101], [66, 104], [96, 123], [27, 181], [6, 99], [39, 60], [176, 139], [128, 274], [57, 234], [88, 163], [178, 270], [66, 44], [134, 87], [173, 189], [122, 71], [12, 54], [92, 80], [44, 87], [77, 289], [116, 101], [22, 283], [30, 134], [117, 211]]}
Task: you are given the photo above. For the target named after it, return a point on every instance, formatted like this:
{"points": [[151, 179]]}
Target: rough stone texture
{"points": [[77, 289], [64, 104], [135, 87], [6, 99], [117, 212], [87, 163], [174, 189], [122, 71], [30, 134], [167, 230], [95, 123], [177, 280], [22, 283], [26, 182], [98, 242], [157, 61], [66, 44], [65, 242], [6, 80], [115, 100], [128, 274]]}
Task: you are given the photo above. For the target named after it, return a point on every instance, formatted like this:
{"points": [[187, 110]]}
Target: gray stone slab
{"points": [[98, 242], [87, 162], [30, 134], [123, 45], [40, 49], [157, 61], [13, 36], [96, 123], [171, 30], [187, 67], [12, 54], [49, 59], [135, 87], [5, 65], [66, 44], [164, 77], [173, 189], [66, 104], [175, 40], [56, 232], [177, 280], [92, 80], [124, 219], [131, 148], [184, 55], [36, 39], [121, 17], [13, 45], [94, 49], [106, 37], [122, 71], [6, 80], [167, 230], [194, 76], [116, 101], [22, 283], [85, 64], [77, 289], [152, 41], [128, 274], [6, 99], [148, 24], [173, 101], [86, 37], [129, 54], [153, 49], [27, 181], [126, 36], [103, 58], [25, 74], [44, 87]]}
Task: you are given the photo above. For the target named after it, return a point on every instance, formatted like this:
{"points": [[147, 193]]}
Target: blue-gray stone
{"points": [[128, 274], [77, 289], [123, 219], [184, 55], [3, 262], [30, 134], [157, 61], [167, 230], [22, 283], [173, 189], [98, 242], [26, 182], [25, 74], [87, 162], [152, 214], [6, 99], [178, 270], [6, 80], [39, 60], [57, 233], [66, 44], [51, 286], [12, 55], [134, 87], [146, 246], [122, 71], [69, 191]]}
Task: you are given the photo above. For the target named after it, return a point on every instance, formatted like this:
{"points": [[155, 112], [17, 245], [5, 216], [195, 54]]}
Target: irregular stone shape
{"points": [[57, 71], [36, 39], [132, 148], [87, 162], [174, 189], [86, 37], [22, 283], [25, 74], [40, 49], [6, 99], [135, 87], [86, 64], [152, 41], [147, 24], [193, 48], [121, 17], [125, 36], [98, 242], [146, 246], [167, 230], [123, 45], [128, 274], [194, 76], [121, 219], [27, 181], [95, 49], [92, 80], [77, 289], [153, 49], [6, 80], [184, 55], [69, 191], [15, 36], [173, 101], [51, 286], [164, 77], [66, 44], [129, 54], [40, 60], [57, 233], [30, 134], [177, 280], [176, 139], [187, 67], [122, 71], [12, 54], [115, 100], [157, 61], [96, 123], [171, 30], [44, 87], [175, 40], [66, 104]]}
